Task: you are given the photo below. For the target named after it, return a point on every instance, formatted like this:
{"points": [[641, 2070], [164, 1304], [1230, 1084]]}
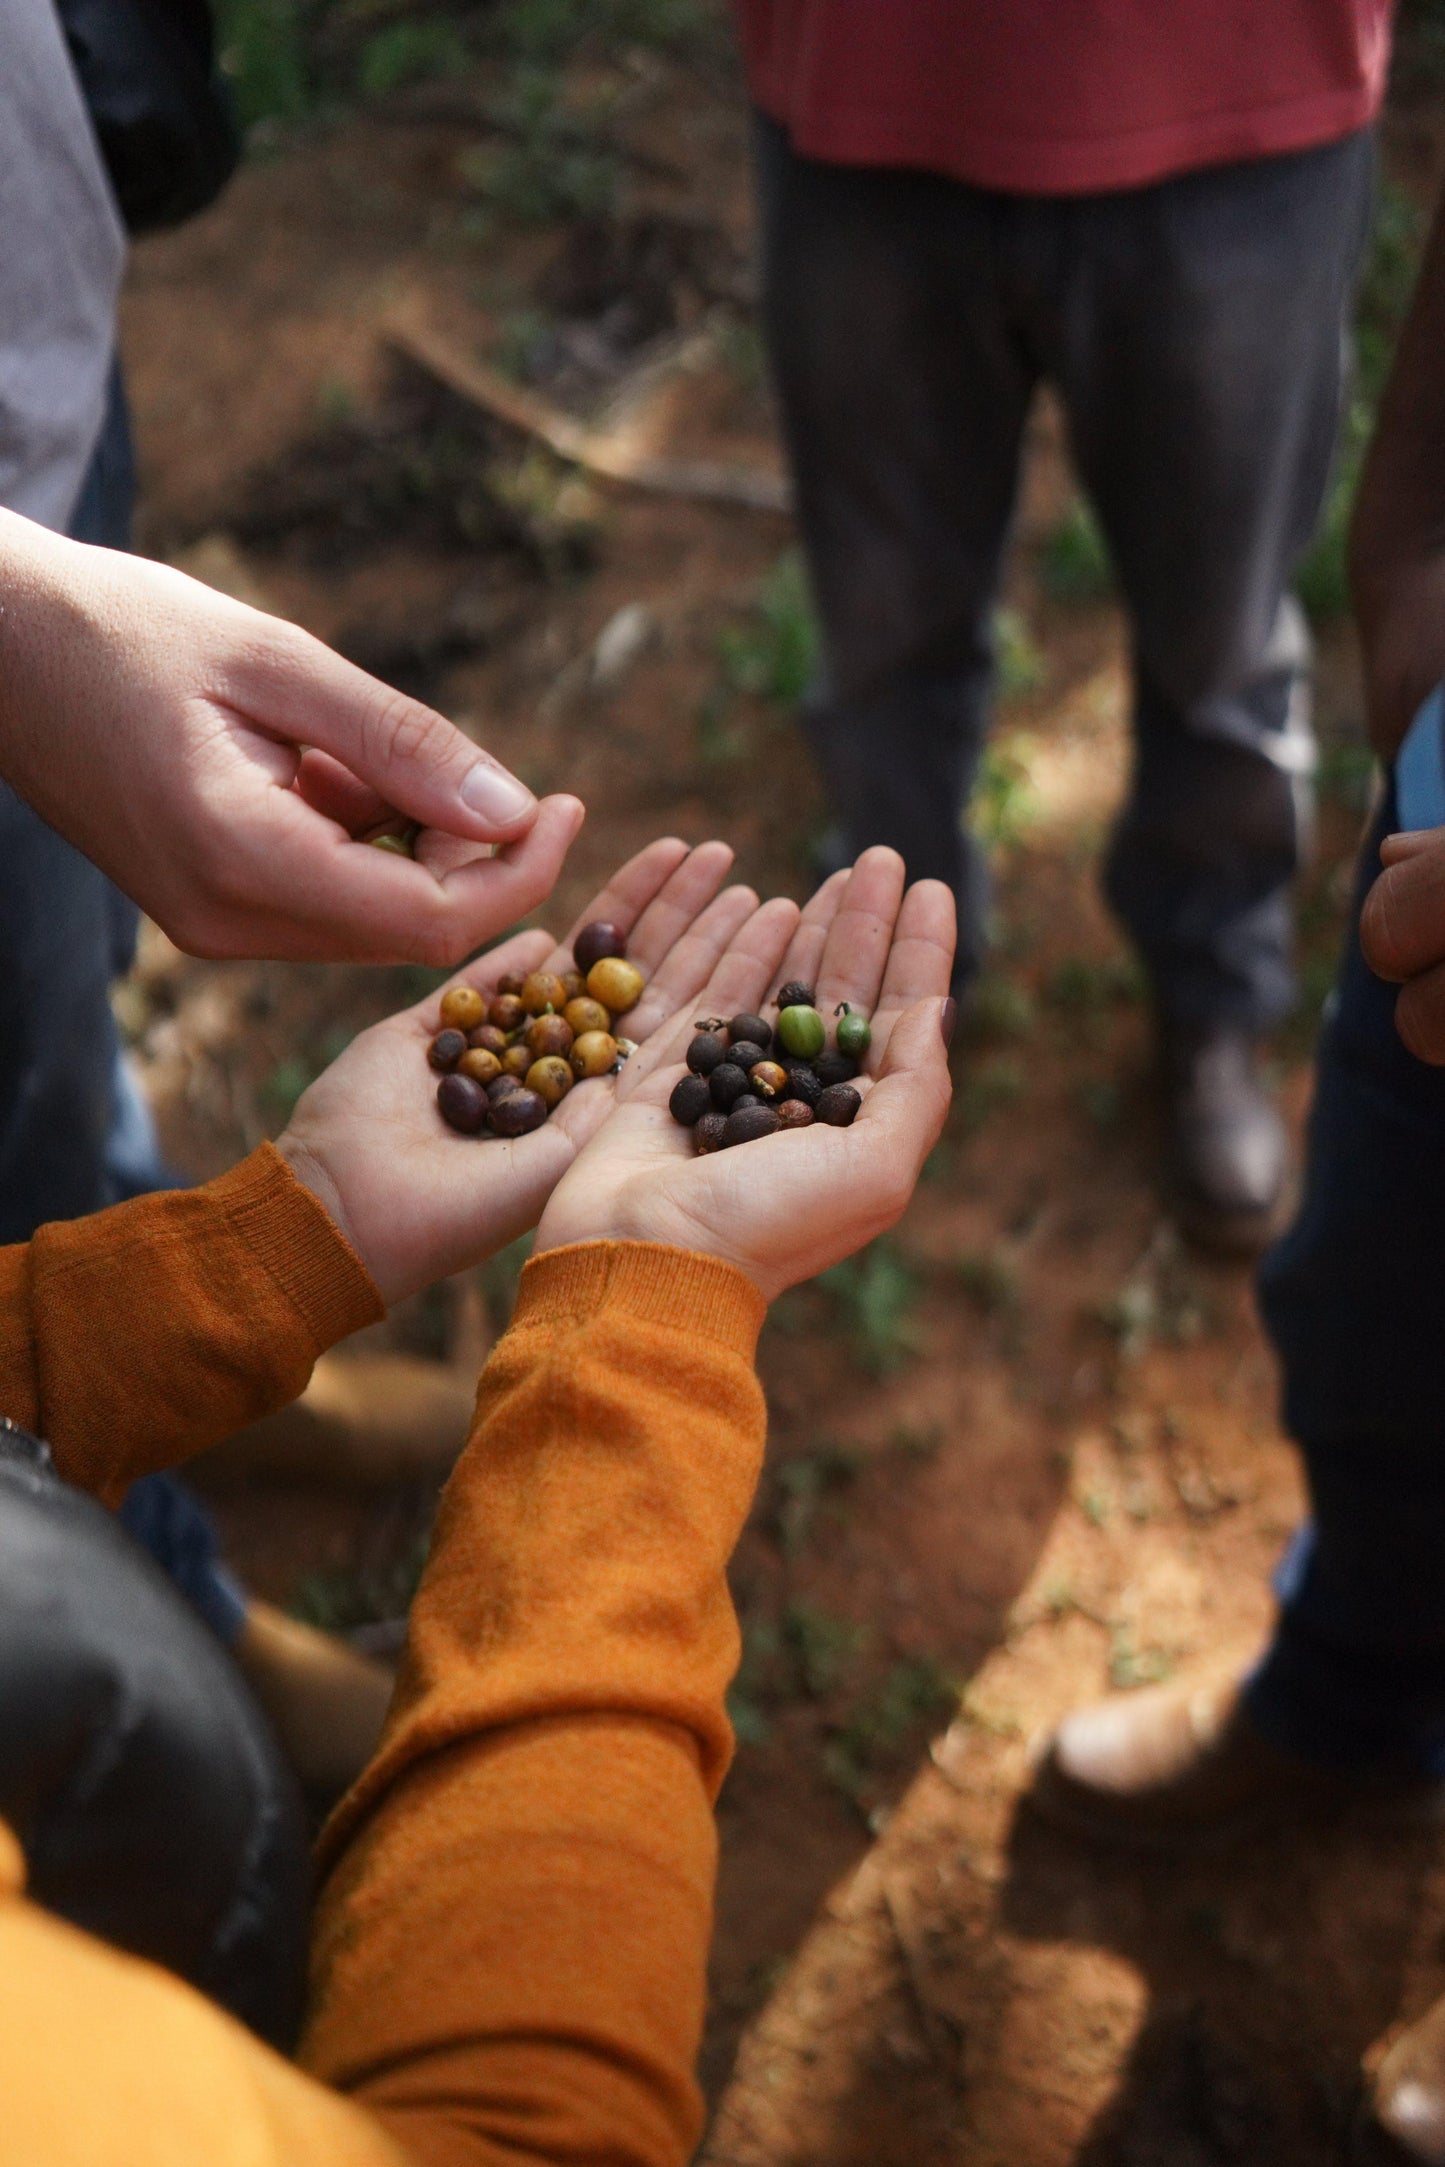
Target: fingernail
{"points": [[947, 1019], [493, 794]]}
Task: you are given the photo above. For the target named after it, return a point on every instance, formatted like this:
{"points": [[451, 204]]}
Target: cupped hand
{"points": [[786, 1207], [415, 1200], [1402, 936], [217, 764]]}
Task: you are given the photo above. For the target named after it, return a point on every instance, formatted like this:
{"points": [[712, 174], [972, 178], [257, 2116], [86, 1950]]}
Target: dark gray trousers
{"points": [[1195, 332]]}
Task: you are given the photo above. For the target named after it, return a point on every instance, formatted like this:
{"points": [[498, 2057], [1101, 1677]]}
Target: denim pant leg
{"points": [[1198, 341], [903, 396], [1353, 1298]]}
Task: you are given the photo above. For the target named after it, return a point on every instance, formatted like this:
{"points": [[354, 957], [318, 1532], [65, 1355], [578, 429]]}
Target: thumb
{"points": [[418, 761], [910, 1096]]}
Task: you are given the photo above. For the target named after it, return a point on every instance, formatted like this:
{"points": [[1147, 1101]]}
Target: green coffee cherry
{"points": [[854, 1034], [801, 1032]]}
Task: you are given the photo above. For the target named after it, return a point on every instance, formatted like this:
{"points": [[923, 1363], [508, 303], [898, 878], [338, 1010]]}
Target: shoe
{"points": [[1180, 1765], [326, 1701], [1402, 2123], [1227, 1153]]}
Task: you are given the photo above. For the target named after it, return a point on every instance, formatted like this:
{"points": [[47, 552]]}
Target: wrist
{"points": [[313, 1173]]}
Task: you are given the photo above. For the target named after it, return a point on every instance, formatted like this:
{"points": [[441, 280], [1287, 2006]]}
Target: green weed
{"points": [[1087, 984], [409, 52], [986, 1091], [1004, 805], [1130, 1665], [1074, 562], [822, 1646], [1019, 662], [773, 653], [810, 1483], [915, 1692], [875, 1295], [553, 162], [1001, 1008]]}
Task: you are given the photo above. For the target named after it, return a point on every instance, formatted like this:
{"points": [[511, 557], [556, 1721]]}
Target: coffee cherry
{"points": [[517, 1060], [768, 1080], [709, 1132], [839, 1105], [551, 1078], [574, 985], [690, 1100], [512, 983], [796, 995], [446, 1049], [834, 1068], [793, 1114], [543, 990], [617, 985], [746, 1123], [726, 1083], [745, 1055], [593, 1054], [803, 1082], [549, 1034], [753, 1029], [853, 1034], [746, 1098], [801, 1031], [483, 1067], [518, 1112], [463, 1008], [507, 1012], [400, 846], [705, 1053], [585, 1014], [596, 941], [463, 1104], [490, 1037], [502, 1087]]}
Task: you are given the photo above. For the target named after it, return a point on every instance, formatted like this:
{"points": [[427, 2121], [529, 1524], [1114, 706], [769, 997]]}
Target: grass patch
{"points": [[875, 1296], [916, 1693], [773, 653], [1074, 564], [1004, 805]]}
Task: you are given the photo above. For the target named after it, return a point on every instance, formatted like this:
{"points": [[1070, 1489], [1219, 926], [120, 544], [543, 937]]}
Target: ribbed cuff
{"points": [[647, 1280], [292, 1237]]}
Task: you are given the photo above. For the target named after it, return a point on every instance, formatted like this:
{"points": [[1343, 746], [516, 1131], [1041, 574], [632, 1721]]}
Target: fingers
{"points": [[524, 952], [673, 909], [333, 791], [740, 980], [629, 891], [295, 688], [1402, 926], [855, 955], [1420, 1016], [903, 1114], [920, 962], [804, 958], [478, 899], [691, 961]]}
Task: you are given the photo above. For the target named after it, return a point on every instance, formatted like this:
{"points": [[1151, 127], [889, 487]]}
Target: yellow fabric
{"points": [[512, 1933]]}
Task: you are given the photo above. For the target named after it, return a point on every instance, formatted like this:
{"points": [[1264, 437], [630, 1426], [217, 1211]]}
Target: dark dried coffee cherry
{"points": [[463, 1104], [834, 1068], [751, 1028], [726, 1083], [708, 1133], [745, 1124], [517, 1112], [839, 1105], [746, 1052], [794, 1114], [707, 1052], [796, 995], [803, 1081], [690, 1100], [446, 1049]]}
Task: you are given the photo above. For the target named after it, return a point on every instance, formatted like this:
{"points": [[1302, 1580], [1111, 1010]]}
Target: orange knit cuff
{"points": [[295, 1240], [649, 1281]]}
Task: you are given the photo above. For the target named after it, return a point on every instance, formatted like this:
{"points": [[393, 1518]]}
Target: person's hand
{"points": [[418, 1202], [217, 764], [1402, 936], [786, 1207]]}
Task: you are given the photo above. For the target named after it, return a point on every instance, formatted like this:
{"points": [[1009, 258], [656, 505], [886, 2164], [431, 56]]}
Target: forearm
{"points": [[133, 1339], [511, 1944]]}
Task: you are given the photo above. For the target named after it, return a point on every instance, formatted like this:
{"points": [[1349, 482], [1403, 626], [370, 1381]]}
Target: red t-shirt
{"points": [[1063, 97]]}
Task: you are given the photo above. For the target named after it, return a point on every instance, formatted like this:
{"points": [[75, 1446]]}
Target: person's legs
{"points": [[1355, 1673], [903, 396], [1199, 344]]}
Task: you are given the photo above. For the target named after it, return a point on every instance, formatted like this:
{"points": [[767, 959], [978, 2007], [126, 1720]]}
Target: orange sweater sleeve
{"points": [[512, 1933], [134, 1338]]}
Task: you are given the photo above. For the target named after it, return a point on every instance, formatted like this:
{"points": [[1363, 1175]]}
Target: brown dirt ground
{"points": [[1032, 1447]]}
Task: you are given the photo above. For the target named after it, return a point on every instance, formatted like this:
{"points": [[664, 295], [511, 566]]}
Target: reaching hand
{"points": [[417, 1201], [1402, 937], [786, 1207], [216, 763]]}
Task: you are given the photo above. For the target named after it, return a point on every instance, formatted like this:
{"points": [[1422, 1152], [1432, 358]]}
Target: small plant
{"points": [[1019, 661], [811, 1483], [1001, 1008], [1130, 1665], [553, 164], [1004, 806], [915, 1692], [822, 1646], [773, 654], [409, 52], [875, 1295], [1074, 562]]}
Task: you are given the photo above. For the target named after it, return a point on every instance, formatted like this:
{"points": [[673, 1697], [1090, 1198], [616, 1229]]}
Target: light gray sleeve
{"points": [[62, 252]]}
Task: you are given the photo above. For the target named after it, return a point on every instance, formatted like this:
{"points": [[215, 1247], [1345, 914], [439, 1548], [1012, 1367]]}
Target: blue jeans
{"points": [[1194, 332], [75, 1131], [1355, 1674]]}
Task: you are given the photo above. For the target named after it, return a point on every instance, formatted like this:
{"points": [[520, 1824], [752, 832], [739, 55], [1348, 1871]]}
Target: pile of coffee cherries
{"points": [[747, 1078], [505, 1063]]}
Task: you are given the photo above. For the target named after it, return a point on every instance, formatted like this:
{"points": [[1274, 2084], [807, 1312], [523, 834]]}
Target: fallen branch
{"points": [[609, 457]]}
